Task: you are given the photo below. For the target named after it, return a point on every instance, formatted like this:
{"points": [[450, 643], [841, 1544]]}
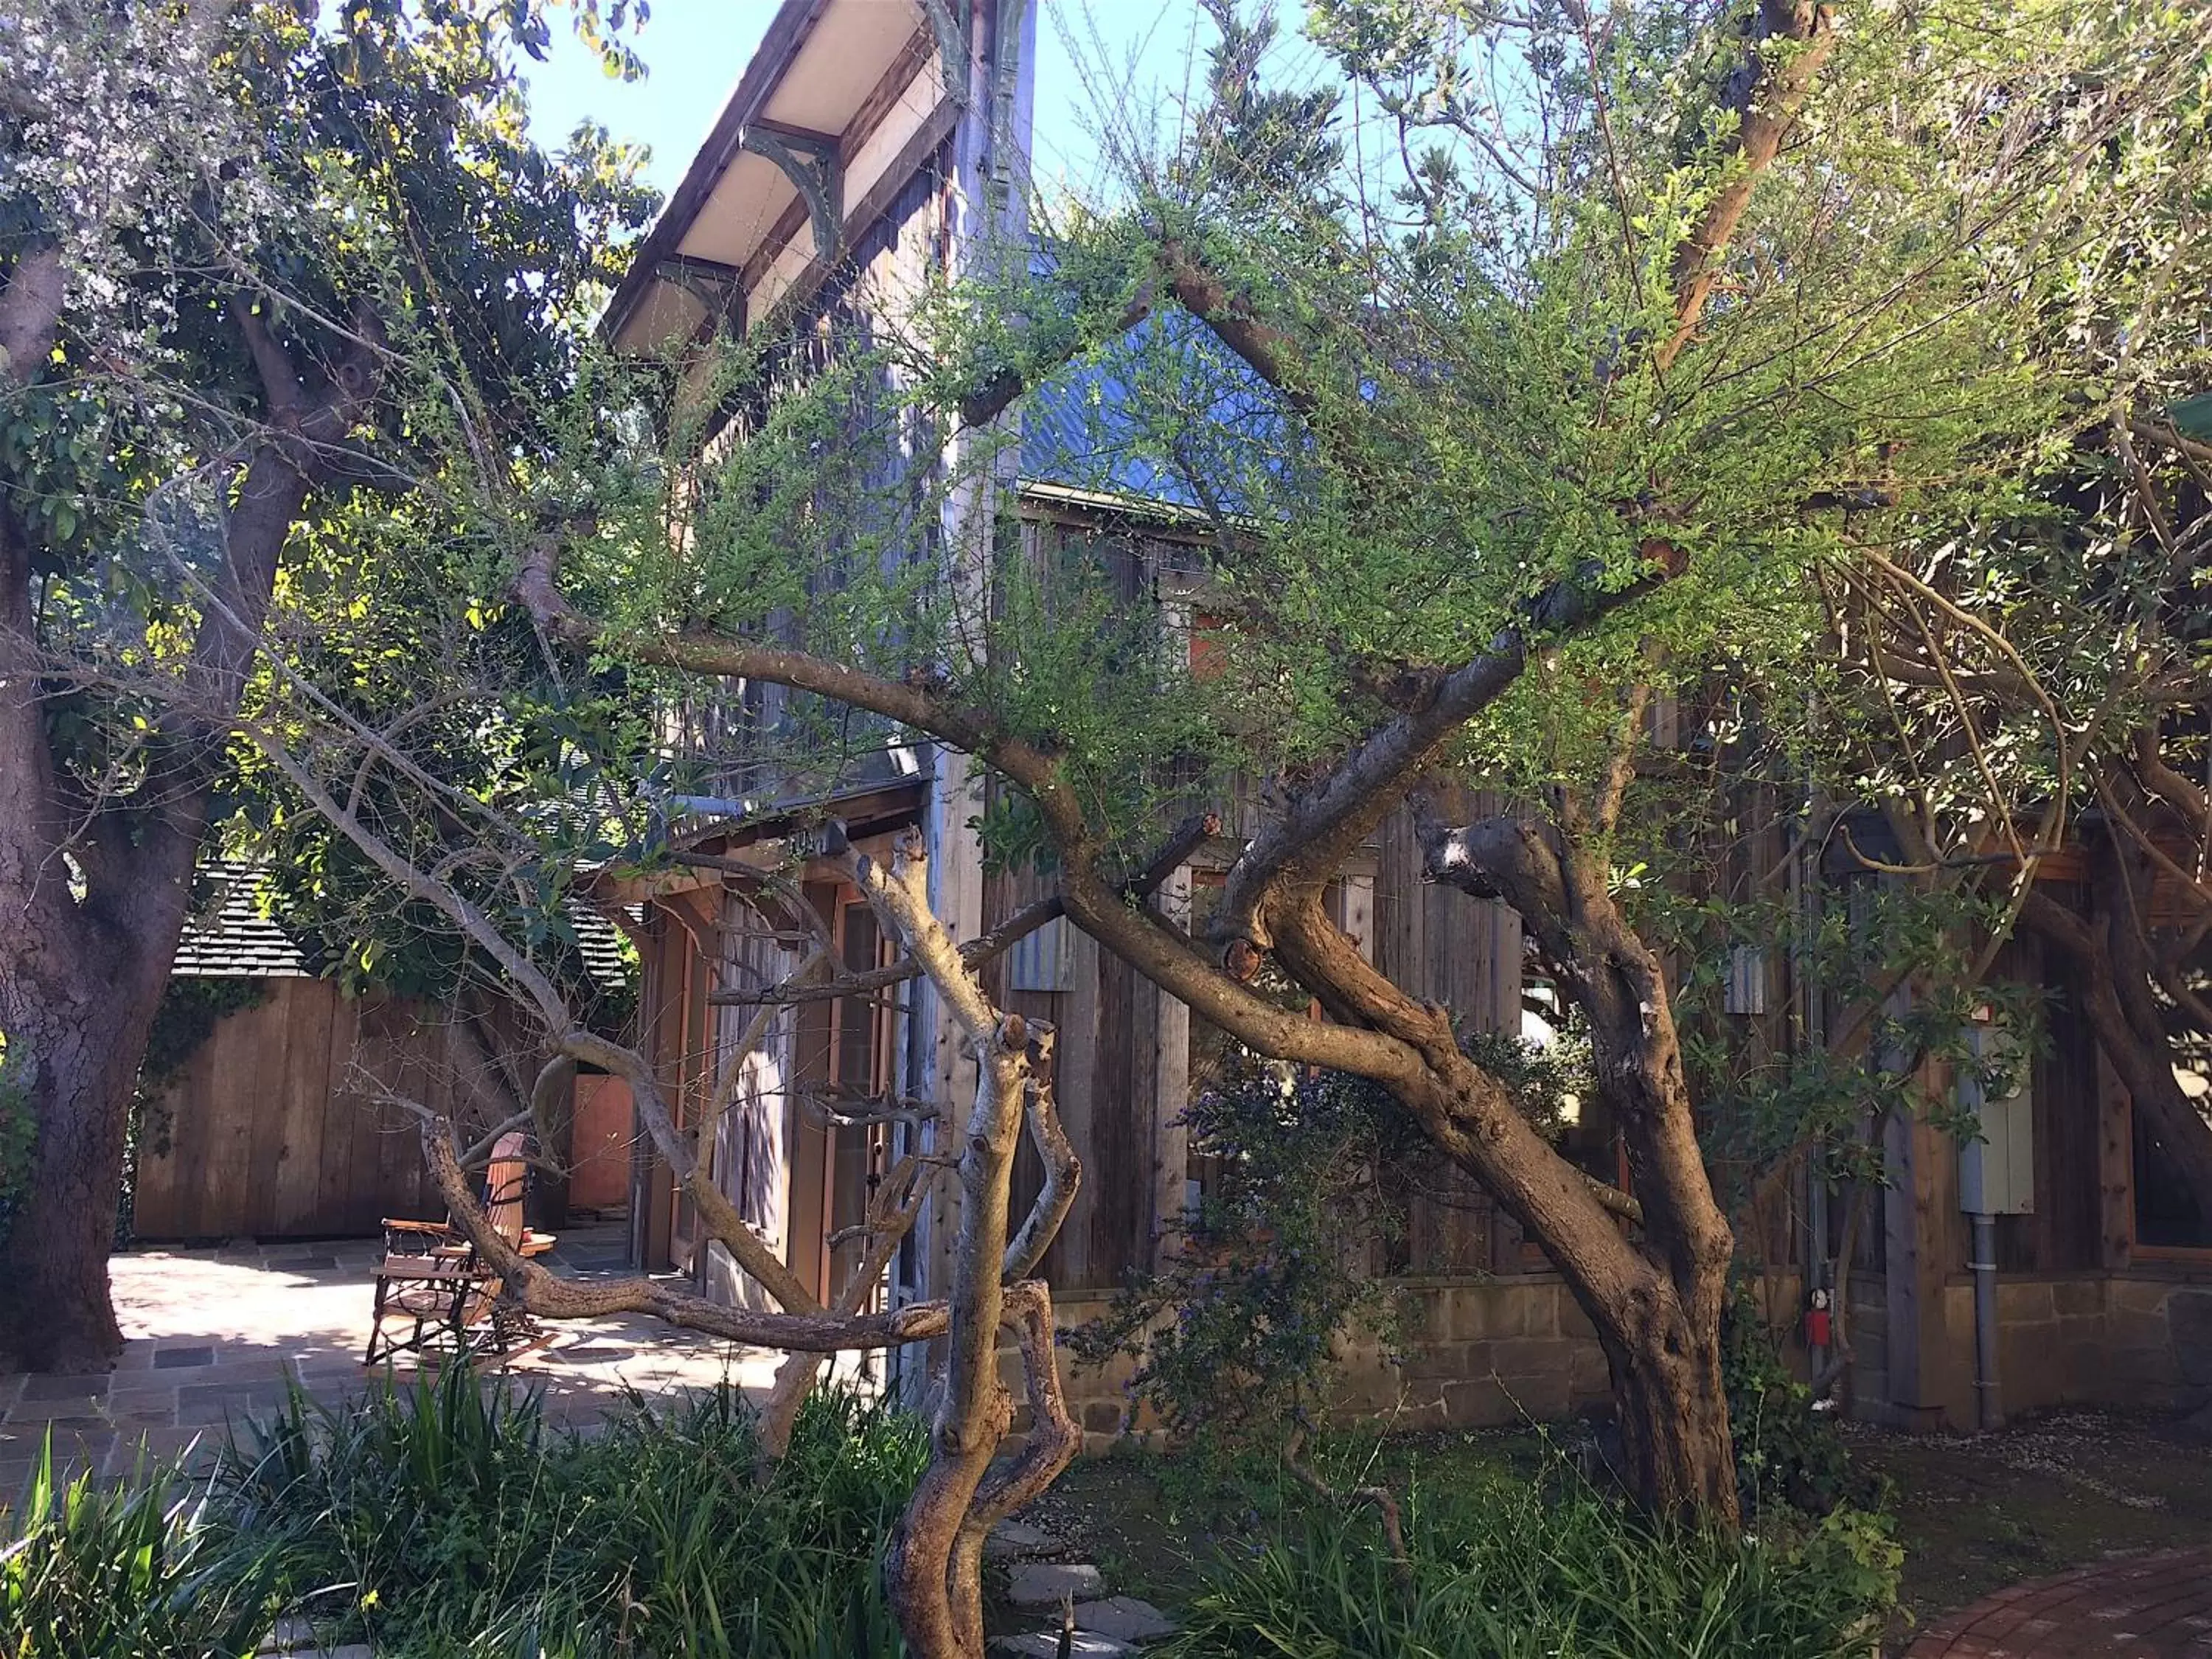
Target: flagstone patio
{"points": [[216, 1334]]}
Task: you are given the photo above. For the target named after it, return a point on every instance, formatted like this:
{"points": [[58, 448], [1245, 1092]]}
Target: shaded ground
{"points": [[1975, 1514], [215, 1335], [1983, 1512]]}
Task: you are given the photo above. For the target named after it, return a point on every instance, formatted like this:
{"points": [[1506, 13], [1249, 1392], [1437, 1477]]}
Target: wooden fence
{"points": [[275, 1127]]}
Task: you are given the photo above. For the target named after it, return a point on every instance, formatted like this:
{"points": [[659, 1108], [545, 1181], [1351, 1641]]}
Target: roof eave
{"points": [[779, 47]]}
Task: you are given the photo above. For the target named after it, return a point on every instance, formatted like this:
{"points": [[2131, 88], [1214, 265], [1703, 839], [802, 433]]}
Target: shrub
{"points": [[1786, 1452], [1502, 1569], [1237, 1337], [449, 1520], [445, 1521], [118, 1572]]}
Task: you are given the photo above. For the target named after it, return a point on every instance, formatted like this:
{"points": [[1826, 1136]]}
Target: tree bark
{"points": [[935, 1570], [1673, 1408], [94, 887], [75, 1039], [1658, 1314], [82, 973]]}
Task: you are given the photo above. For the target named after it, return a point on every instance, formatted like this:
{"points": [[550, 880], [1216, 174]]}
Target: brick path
{"points": [[2145, 1606], [213, 1334]]}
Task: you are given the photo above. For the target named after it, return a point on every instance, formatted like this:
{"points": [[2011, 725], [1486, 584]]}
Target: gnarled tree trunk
{"points": [[81, 977], [1658, 1313], [75, 1037], [88, 929]]}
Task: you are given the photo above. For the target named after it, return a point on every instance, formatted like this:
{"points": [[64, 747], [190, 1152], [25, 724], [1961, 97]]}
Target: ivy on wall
{"points": [[16, 1131], [191, 1009]]}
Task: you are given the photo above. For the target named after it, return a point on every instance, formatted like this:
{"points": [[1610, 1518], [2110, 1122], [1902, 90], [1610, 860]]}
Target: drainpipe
{"points": [[1991, 1182], [1988, 1403], [1808, 1016]]}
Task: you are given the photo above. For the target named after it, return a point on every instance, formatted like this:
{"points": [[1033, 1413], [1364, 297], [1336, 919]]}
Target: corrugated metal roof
{"points": [[1093, 427]]}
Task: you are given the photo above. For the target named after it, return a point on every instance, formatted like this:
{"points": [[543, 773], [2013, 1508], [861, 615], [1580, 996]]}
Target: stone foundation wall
{"points": [[2141, 1340], [2106, 1340], [1514, 1349], [1473, 1352], [1482, 1352]]}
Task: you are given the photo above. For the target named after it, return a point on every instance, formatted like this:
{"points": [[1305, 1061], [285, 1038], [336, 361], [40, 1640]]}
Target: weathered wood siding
{"points": [[1435, 943], [276, 1127]]}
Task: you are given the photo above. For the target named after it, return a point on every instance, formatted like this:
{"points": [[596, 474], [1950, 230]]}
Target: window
{"points": [[2168, 1214]]}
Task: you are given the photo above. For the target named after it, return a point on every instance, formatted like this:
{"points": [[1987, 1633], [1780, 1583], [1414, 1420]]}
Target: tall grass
{"points": [[448, 1520], [97, 1570], [445, 1521], [1508, 1569]]}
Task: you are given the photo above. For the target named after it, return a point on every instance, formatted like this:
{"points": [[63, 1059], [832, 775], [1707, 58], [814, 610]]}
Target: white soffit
{"points": [[850, 48], [844, 50], [744, 208], [844, 56]]}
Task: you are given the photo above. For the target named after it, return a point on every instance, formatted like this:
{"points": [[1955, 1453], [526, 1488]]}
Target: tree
{"points": [[220, 224], [438, 780], [1671, 314], [495, 861], [2027, 679], [934, 1572]]}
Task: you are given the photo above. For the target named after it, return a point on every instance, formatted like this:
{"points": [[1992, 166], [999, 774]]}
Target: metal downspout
{"points": [[1988, 1403]]}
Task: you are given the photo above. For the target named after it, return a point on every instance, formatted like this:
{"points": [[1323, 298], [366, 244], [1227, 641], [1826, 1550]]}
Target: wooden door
{"points": [[843, 1060]]}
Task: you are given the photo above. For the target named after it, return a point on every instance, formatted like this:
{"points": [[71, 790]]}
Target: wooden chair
{"points": [[436, 1295]]}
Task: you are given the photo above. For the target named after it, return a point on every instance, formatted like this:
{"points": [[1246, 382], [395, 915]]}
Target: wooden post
{"points": [[1922, 1238], [1901, 1265], [1075, 1069]]}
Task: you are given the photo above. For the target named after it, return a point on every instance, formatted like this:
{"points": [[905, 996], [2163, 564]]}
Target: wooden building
{"points": [[278, 1122], [869, 142]]}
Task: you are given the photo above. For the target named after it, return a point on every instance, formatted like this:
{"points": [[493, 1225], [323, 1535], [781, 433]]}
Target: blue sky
{"points": [[1147, 54]]}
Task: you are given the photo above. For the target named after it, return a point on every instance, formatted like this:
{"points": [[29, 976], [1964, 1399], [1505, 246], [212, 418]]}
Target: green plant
{"points": [[1239, 1338], [448, 1520], [120, 1572], [1503, 1568], [1786, 1452], [1236, 1337]]}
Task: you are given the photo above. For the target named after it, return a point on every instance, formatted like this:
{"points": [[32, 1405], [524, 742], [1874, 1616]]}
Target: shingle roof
{"points": [[599, 944], [237, 941]]}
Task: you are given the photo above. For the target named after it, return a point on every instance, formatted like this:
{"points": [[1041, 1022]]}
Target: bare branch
{"points": [[1307, 844], [1054, 1438], [540, 1291], [280, 382], [1377, 1498], [1189, 836], [717, 1214], [1063, 1170]]}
